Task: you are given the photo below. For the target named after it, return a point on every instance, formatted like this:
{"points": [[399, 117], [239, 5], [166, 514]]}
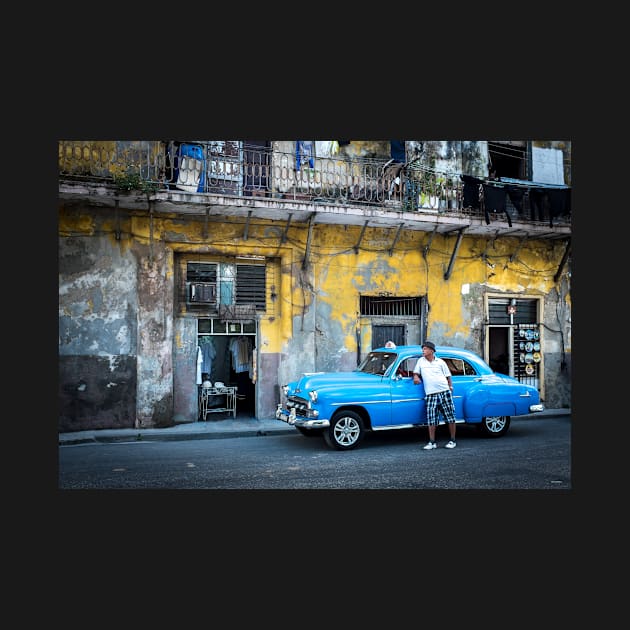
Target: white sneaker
{"points": [[450, 444], [429, 446]]}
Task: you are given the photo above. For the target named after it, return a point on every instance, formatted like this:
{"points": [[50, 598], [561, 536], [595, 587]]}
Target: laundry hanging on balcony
{"points": [[494, 201], [304, 151], [326, 148], [471, 191], [191, 168]]}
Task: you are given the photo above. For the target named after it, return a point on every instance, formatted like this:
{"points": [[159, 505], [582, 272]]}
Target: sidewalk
{"points": [[221, 428]]}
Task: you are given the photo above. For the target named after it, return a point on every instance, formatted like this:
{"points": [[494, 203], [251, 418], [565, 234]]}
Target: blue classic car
{"points": [[380, 395]]}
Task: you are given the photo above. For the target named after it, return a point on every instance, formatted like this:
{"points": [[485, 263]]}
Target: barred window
{"points": [[378, 306]]}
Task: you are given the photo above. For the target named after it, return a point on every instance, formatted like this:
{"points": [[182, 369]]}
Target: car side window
{"points": [[469, 370], [456, 366], [460, 367], [405, 369]]}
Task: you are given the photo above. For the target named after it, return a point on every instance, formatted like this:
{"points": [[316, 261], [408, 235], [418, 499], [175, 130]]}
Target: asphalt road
{"points": [[535, 454]]}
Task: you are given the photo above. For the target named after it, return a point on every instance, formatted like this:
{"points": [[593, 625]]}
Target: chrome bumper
{"points": [[536, 408], [290, 418]]}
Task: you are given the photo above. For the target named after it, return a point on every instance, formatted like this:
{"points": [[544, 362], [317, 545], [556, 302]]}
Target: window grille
{"points": [[379, 306]]}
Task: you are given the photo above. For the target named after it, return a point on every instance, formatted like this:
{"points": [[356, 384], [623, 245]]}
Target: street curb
{"points": [[153, 437], [156, 435]]}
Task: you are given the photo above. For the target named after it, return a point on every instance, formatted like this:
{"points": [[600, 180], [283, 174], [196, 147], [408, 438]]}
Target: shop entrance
{"points": [[514, 343], [226, 358]]}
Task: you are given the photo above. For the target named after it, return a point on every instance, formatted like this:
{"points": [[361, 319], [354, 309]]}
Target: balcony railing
{"points": [[228, 168]]}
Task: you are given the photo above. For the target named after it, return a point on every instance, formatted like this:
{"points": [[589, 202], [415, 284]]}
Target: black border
{"points": [[381, 104]]}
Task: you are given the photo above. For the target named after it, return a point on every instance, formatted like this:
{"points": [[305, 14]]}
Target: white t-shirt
{"points": [[433, 374]]}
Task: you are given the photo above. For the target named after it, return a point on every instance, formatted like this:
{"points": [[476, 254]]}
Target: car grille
{"points": [[299, 404]]}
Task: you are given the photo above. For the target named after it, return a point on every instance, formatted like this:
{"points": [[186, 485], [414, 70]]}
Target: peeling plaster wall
{"points": [[155, 338], [97, 326]]}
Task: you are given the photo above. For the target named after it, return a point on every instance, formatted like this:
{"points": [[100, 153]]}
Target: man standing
{"points": [[438, 389]]}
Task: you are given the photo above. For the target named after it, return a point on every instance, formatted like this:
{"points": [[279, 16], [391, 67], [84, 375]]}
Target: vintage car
{"points": [[380, 395]]}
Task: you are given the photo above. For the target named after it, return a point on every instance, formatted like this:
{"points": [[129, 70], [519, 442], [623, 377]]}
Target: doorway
{"points": [[228, 352], [514, 339]]}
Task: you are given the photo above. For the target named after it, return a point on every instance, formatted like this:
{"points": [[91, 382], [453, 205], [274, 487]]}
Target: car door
{"points": [[408, 405], [463, 376]]}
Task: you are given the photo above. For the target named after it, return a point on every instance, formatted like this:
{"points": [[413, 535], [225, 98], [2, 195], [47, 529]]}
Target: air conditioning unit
{"points": [[201, 292]]}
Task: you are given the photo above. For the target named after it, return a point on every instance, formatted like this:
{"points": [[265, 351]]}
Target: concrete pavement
{"points": [[224, 427]]}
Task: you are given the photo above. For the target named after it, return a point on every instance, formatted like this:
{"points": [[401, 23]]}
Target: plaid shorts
{"points": [[440, 402]]}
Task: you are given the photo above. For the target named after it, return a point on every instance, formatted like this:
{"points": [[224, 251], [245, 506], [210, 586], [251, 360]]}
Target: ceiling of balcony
{"points": [[297, 211]]}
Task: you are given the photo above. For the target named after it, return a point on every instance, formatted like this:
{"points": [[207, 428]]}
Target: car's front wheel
{"points": [[345, 431], [495, 426]]}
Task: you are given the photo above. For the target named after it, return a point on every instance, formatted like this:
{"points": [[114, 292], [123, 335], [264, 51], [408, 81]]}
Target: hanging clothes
{"points": [[494, 199], [471, 191], [199, 363], [208, 353], [326, 148], [516, 195], [304, 151], [241, 350], [559, 202], [537, 197]]}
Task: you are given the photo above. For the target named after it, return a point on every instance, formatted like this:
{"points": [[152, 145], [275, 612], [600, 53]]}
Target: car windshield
{"points": [[376, 362]]}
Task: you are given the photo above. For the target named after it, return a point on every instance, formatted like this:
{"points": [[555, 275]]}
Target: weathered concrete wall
{"points": [[155, 335], [97, 324], [185, 408]]}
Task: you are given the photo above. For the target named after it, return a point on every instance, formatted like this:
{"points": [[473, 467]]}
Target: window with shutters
{"points": [[227, 288]]}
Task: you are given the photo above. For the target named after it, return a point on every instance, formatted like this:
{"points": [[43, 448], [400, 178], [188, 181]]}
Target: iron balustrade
{"points": [[229, 168]]}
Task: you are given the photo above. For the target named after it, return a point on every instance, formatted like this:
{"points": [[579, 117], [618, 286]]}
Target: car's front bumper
{"points": [[290, 418]]}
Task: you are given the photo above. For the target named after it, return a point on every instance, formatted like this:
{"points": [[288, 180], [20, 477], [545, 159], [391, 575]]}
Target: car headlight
{"points": [[285, 390], [313, 395]]}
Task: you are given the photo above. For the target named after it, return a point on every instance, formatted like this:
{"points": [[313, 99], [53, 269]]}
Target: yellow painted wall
{"points": [[335, 275]]}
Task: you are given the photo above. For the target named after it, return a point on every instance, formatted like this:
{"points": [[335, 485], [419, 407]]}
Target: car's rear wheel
{"points": [[310, 432], [495, 426], [345, 431]]}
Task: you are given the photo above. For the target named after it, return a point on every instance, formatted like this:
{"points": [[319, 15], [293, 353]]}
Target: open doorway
{"points": [[499, 349], [513, 338], [227, 355]]}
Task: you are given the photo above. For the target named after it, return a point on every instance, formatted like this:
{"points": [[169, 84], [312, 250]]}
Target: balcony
{"points": [[225, 178]]}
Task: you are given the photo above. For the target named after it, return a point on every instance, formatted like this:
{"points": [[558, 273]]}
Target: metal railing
{"points": [[229, 168]]}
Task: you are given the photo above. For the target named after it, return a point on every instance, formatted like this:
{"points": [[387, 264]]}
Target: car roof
{"points": [[418, 348], [439, 350]]}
